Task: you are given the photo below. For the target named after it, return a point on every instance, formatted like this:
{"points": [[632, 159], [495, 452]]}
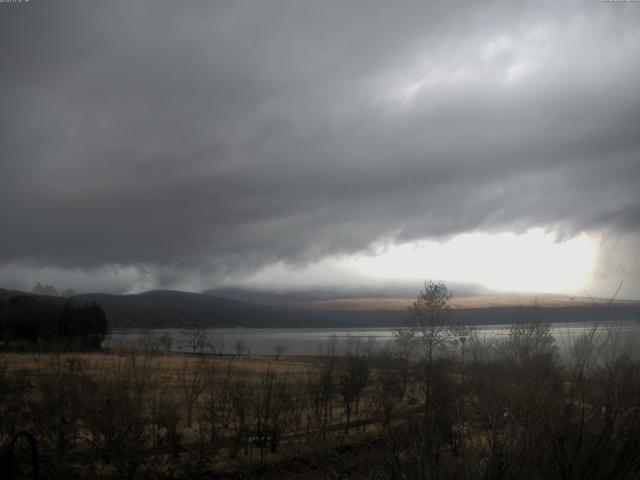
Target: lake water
{"points": [[312, 341]]}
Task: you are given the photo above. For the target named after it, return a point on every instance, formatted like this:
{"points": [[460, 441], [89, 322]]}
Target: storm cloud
{"points": [[206, 140]]}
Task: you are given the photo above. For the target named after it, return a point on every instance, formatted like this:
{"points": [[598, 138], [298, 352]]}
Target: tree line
{"points": [[31, 319]]}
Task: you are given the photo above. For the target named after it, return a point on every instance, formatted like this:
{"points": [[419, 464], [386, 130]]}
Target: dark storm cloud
{"points": [[222, 136]]}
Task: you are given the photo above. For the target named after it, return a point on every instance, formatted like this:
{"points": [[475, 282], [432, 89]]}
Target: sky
{"points": [[296, 144]]}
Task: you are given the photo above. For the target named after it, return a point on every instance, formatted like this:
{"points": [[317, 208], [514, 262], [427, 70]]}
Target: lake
{"points": [[312, 341]]}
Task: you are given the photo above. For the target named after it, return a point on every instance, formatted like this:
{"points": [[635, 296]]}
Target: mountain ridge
{"points": [[176, 309]]}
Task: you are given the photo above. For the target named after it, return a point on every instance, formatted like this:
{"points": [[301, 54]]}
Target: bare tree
{"points": [[196, 338], [353, 377], [405, 343], [217, 345], [166, 342], [529, 340], [165, 423], [271, 409], [388, 384], [241, 397], [149, 343], [15, 389], [192, 384], [217, 408], [429, 328], [240, 347], [116, 414], [429, 318], [280, 350]]}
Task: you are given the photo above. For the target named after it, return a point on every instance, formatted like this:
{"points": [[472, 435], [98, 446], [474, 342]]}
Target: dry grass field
{"points": [[506, 408], [169, 365], [136, 412]]}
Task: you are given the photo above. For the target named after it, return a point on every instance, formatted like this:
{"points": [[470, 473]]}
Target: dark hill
{"points": [[173, 309], [163, 308], [7, 294]]}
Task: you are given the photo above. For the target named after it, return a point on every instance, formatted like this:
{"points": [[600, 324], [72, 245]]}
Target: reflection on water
{"points": [[311, 341]]}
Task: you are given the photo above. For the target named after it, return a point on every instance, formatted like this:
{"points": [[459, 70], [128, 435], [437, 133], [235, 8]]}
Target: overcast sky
{"points": [[192, 144]]}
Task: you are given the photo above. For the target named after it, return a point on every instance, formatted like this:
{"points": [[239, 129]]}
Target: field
{"points": [[140, 412], [442, 404]]}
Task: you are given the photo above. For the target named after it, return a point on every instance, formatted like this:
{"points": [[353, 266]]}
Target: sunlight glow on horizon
{"points": [[533, 261]]}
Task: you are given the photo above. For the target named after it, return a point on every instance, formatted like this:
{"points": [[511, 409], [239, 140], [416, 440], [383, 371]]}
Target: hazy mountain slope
{"points": [[175, 309], [6, 294], [393, 290], [178, 309], [399, 297]]}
